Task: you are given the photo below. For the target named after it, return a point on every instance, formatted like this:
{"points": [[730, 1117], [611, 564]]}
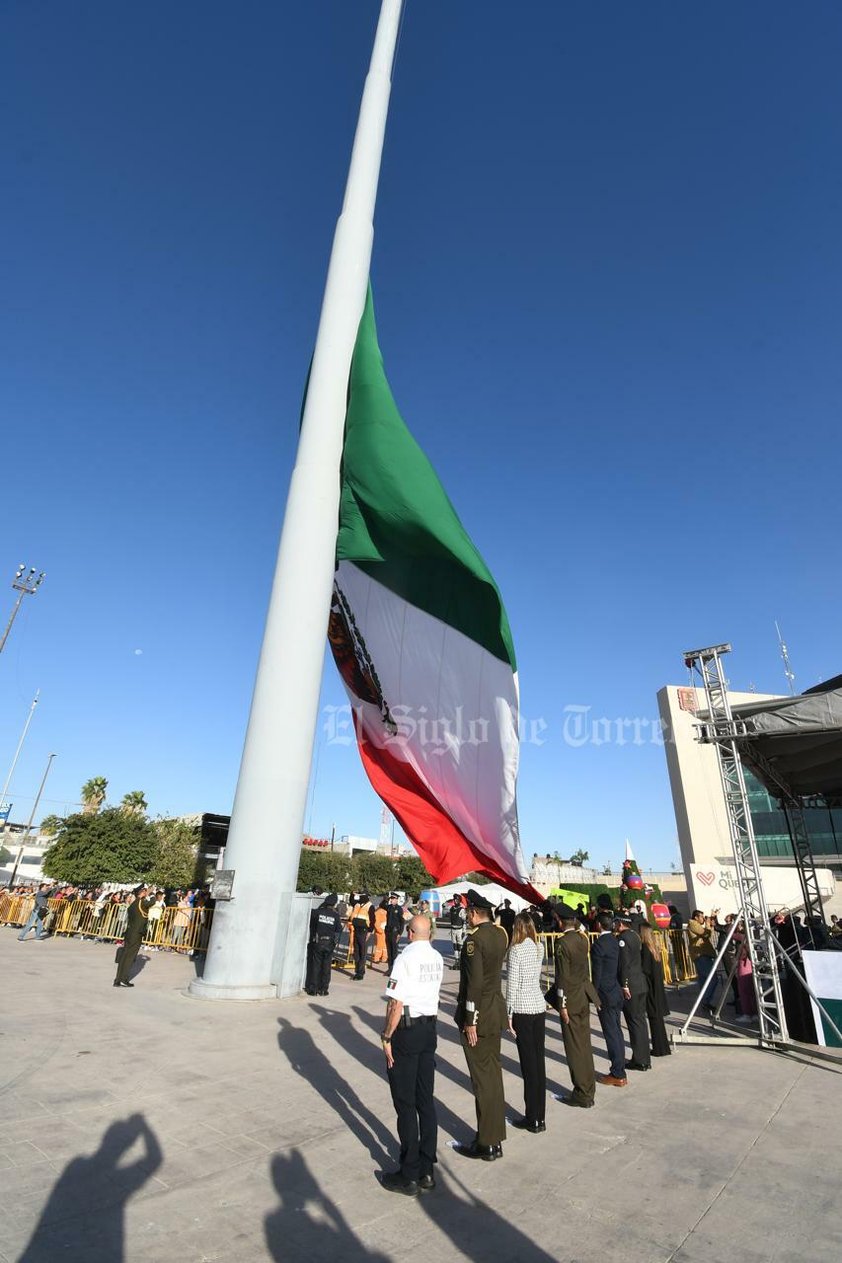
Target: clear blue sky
{"points": [[607, 269]]}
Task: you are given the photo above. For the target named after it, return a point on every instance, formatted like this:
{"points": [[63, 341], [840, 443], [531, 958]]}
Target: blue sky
{"points": [[607, 269]]}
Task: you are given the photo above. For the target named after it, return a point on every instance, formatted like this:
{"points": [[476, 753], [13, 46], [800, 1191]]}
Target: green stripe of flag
{"points": [[396, 521]]}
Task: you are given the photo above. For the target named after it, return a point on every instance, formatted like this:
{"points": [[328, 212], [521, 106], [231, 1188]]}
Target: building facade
{"points": [[702, 820]]}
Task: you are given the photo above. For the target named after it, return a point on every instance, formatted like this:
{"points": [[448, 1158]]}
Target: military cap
{"points": [[474, 899], [564, 911], [625, 918]]}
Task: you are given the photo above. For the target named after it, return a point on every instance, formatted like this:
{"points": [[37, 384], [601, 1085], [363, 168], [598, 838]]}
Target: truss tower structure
{"points": [[721, 730]]}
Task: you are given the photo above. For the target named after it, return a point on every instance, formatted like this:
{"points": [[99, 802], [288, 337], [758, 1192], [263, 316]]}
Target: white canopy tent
{"points": [[438, 896]]}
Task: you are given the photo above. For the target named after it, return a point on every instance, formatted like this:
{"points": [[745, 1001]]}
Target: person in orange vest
{"points": [[362, 923], [379, 953]]}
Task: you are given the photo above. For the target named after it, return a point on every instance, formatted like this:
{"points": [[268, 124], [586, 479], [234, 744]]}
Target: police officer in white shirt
{"points": [[409, 1043]]}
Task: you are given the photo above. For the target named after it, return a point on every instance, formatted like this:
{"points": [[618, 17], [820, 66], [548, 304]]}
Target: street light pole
{"points": [[25, 583], [11, 772], [31, 818]]}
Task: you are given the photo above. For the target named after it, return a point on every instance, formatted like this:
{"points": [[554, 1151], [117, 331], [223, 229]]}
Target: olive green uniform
{"points": [[133, 937], [576, 992], [481, 1004]]}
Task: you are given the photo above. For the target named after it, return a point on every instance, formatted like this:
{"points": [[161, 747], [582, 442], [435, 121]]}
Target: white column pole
{"points": [[264, 841]]}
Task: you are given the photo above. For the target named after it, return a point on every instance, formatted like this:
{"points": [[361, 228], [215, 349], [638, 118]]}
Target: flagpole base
{"points": [[201, 990]]}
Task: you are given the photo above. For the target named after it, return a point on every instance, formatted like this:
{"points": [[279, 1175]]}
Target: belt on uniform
{"points": [[406, 1020]]}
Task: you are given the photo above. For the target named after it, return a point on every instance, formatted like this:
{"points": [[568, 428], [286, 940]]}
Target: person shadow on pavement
{"points": [[293, 1231], [315, 1068], [84, 1216]]}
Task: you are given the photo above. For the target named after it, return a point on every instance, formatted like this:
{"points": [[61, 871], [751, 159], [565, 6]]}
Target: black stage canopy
{"points": [[801, 737]]}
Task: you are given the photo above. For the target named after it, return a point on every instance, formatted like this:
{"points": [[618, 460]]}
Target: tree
{"points": [[93, 794], [135, 802], [411, 875], [107, 846], [579, 857], [176, 852], [50, 826], [329, 871]]}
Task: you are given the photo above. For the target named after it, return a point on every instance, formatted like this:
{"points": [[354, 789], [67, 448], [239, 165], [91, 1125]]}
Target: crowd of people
{"points": [[102, 912], [603, 959], [607, 960]]}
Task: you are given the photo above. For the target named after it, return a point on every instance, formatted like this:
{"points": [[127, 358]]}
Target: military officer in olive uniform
{"points": [[576, 993], [481, 1016], [134, 934]]}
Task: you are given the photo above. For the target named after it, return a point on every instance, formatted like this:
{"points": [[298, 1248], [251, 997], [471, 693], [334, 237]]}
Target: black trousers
{"points": [[360, 941], [530, 1031], [411, 1079], [392, 940], [128, 954], [609, 1020], [634, 1011], [319, 959]]}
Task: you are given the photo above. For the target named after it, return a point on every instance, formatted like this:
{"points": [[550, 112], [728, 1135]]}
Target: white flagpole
{"points": [[248, 939]]}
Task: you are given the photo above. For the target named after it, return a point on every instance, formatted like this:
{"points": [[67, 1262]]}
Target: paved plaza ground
{"points": [[146, 1126]]}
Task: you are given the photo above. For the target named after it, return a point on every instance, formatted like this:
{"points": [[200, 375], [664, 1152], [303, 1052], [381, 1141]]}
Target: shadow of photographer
{"points": [[86, 1209]]}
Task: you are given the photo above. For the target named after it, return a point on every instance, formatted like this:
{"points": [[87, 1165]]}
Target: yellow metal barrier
{"points": [[675, 956], [178, 929]]}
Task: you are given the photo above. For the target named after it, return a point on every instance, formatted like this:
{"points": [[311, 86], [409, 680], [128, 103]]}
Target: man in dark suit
{"points": [[134, 934], [633, 983], [605, 971], [481, 1016], [576, 993]]}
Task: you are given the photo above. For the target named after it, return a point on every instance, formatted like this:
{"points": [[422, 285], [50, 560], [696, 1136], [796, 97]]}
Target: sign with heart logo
{"points": [[707, 879]]}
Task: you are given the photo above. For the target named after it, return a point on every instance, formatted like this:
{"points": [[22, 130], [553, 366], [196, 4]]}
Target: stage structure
{"points": [[746, 738]]}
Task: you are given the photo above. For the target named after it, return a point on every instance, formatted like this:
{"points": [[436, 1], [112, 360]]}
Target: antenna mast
{"points": [[788, 671]]}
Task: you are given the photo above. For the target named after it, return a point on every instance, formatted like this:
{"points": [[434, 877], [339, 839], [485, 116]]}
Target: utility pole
{"points": [[25, 583], [31, 818]]}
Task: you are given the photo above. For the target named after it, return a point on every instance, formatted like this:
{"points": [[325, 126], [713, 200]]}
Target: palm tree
{"points": [[50, 826], [134, 802], [93, 794]]}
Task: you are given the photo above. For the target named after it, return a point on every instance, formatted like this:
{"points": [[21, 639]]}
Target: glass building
{"points": [[824, 825]]}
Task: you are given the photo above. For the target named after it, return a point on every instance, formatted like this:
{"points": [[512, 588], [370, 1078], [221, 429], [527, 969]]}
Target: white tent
{"points": [[439, 895]]}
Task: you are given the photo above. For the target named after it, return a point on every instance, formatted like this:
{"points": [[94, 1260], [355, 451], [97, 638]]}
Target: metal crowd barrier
{"points": [[177, 929], [675, 956]]}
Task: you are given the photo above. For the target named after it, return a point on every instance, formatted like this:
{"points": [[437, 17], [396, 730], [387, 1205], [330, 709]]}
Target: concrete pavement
{"points": [[142, 1125]]}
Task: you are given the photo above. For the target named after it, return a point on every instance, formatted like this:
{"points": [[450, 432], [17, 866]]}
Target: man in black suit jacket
{"points": [[605, 969], [633, 983]]}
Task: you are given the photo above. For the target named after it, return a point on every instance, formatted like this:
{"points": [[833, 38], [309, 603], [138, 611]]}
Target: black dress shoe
{"points": [[637, 1065], [115, 983], [126, 984], [530, 1124], [582, 1105], [427, 1182], [394, 1182], [487, 1153]]}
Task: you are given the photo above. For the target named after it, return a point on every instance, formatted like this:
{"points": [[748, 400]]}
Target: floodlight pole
{"points": [[248, 942]]}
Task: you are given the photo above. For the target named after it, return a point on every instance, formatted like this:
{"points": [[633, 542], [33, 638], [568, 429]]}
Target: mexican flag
{"points": [[421, 639]]}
